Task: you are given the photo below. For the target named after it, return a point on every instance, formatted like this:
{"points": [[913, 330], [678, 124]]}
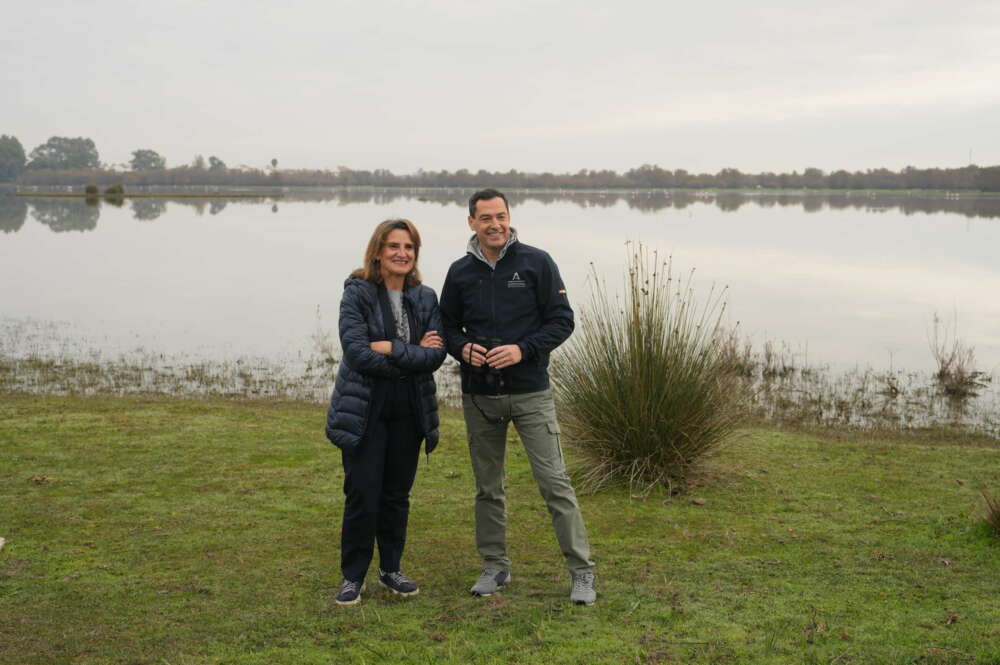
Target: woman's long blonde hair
{"points": [[372, 270]]}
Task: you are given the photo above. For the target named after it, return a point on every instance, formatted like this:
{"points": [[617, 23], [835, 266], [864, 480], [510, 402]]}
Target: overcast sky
{"points": [[536, 86]]}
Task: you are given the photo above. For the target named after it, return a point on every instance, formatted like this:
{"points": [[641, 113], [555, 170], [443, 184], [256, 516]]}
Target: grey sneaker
{"points": [[490, 581], [583, 592]]}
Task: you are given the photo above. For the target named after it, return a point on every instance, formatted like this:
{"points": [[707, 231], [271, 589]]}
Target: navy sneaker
{"points": [[350, 592], [398, 583]]}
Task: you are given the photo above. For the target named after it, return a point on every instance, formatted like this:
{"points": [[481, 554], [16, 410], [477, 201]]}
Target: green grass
{"points": [[167, 531]]}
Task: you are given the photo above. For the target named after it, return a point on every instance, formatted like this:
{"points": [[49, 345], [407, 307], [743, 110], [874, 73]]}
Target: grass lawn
{"points": [[178, 532]]}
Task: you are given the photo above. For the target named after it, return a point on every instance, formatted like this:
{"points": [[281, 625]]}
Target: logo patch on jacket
{"points": [[516, 282]]}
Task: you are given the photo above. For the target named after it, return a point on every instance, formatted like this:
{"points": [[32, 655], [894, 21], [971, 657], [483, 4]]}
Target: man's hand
{"points": [[382, 347], [474, 354], [432, 340], [500, 357]]}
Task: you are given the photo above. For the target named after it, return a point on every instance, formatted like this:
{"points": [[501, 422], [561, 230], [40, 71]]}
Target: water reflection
{"points": [[969, 205], [13, 212], [147, 210], [66, 214], [82, 215]]}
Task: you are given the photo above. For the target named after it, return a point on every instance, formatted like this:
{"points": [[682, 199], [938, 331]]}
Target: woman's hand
{"points": [[382, 347], [432, 340]]}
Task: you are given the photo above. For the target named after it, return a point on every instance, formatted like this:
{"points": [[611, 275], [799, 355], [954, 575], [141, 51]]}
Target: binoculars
{"points": [[488, 377]]}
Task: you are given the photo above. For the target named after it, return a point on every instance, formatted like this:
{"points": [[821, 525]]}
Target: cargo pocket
{"points": [[555, 431]]}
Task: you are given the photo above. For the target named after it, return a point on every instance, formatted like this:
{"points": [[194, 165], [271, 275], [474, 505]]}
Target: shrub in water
{"points": [[646, 387], [114, 190], [956, 373], [91, 190]]}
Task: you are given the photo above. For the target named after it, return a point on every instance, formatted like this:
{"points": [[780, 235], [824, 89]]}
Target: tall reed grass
{"points": [[991, 512], [956, 372], [645, 386]]}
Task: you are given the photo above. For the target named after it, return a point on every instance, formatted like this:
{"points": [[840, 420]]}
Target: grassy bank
{"points": [[153, 530]]}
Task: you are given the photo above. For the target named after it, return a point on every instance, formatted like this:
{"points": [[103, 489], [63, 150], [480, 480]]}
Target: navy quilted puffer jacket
{"points": [[361, 323]]}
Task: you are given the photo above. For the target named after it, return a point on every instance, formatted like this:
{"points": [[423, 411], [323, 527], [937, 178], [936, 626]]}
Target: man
{"points": [[504, 309]]}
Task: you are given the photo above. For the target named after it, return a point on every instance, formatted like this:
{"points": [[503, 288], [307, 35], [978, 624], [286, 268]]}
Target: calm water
{"points": [[844, 281]]}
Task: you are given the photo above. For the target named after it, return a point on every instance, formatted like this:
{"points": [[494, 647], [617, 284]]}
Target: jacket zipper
{"points": [[493, 301]]}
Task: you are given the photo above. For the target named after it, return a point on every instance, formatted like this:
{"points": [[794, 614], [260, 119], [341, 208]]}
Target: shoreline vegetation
{"points": [[782, 389], [142, 530]]}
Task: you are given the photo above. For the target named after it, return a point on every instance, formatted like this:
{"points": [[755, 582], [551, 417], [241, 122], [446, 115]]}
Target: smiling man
{"points": [[504, 309]]}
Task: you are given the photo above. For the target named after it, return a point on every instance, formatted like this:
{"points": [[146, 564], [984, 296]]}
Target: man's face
{"points": [[491, 224]]}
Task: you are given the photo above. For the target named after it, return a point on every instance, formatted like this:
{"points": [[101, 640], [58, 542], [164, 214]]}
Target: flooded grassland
{"points": [[238, 297]]}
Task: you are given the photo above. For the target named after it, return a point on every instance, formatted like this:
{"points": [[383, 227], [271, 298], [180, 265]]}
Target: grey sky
{"points": [[533, 85]]}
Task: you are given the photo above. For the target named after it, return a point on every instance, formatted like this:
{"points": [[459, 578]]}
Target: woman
{"points": [[383, 403]]}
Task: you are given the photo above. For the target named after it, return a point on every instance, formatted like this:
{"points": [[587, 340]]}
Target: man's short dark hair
{"points": [[485, 195]]}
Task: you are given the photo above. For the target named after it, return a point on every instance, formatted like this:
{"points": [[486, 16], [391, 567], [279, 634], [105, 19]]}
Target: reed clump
{"points": [[956, 374], [646, 385], [991, 512]]}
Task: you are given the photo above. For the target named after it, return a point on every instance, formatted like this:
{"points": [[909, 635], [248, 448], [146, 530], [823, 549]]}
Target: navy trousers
{"points": [[378, 476]]}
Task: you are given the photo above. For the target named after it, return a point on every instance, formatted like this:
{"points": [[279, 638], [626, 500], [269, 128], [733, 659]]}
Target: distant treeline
{"points": [[75, 162], [968, 178]]}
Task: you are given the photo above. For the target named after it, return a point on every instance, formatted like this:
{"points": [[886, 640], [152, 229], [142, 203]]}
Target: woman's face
{"points": [[397, 255]]}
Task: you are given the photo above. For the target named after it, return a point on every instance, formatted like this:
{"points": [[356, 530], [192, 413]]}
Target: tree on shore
{"points": [[215, 172], [63, 153], [12, 158], [145, 159], [988, 179]]}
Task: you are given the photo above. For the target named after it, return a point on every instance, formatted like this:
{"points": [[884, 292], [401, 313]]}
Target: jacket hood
{"points": [[477, 251]]}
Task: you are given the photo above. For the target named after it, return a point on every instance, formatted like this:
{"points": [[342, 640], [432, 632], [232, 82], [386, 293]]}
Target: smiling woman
{"points": [[392, 234], [396, 258], [383, 404]]}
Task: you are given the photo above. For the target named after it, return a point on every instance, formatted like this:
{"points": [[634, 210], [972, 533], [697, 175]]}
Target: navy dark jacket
{"points": [[522, 301], [355, 390]]}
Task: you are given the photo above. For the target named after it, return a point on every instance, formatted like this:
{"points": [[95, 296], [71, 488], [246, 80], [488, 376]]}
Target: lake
{"points": [[839, 280]]}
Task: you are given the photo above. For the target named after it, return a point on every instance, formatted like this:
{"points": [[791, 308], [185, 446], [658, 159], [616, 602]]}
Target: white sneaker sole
{"points": [[399, 593]]}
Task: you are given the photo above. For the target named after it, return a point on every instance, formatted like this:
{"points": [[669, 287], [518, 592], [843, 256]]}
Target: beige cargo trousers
{"points": [[534, 418]]}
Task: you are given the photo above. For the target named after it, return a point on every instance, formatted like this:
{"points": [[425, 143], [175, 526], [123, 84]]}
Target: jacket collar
{"points": [[477, 251], [410, 292]]}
